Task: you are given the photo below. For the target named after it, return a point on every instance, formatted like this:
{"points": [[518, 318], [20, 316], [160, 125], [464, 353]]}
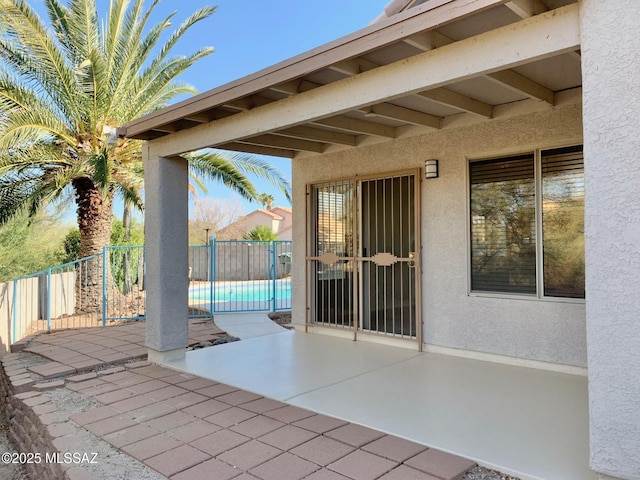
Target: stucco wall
{"points": [[543, 330], [611, 66]]}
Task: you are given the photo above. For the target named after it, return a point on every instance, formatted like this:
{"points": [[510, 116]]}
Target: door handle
{"points": [[412, 262]]}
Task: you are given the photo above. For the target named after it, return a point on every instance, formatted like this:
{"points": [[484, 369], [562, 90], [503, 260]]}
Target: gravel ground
{"points": [[111, 463], [9, 471]]}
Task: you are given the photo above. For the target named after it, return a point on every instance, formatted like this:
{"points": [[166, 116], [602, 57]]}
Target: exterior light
{"points": [[431, 168]]}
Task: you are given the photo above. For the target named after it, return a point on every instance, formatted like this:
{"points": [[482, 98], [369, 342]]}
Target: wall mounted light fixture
{"points": [[431, 168]]}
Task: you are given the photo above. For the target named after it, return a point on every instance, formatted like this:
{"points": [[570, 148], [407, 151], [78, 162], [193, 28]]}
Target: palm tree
{"points": [[262, 233], [63, 91], [266, 200]]}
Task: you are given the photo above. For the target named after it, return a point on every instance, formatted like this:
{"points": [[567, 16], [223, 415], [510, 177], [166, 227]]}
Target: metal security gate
{"points": [[363, 255]]}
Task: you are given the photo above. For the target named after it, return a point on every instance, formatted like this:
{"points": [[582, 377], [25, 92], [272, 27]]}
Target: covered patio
{"points": [[527, 422], [465, 83]]}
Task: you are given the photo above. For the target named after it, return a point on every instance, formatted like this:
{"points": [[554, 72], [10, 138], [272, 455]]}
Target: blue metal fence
{"points": [[248, 275], [224, 276]]}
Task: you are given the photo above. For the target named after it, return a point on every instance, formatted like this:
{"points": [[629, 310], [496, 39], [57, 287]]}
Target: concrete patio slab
{"points": [[522, 421], [247, 324]]}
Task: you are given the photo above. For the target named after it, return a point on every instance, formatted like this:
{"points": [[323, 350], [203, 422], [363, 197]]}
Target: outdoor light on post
{"points": [[431, 168]]}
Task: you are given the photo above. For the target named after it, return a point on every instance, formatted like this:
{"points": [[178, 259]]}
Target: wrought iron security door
{"points": [[363, 260]]}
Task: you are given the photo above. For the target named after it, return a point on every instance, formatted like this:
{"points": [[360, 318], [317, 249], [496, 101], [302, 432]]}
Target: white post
{"points": [[611, 99], [167, 245]]}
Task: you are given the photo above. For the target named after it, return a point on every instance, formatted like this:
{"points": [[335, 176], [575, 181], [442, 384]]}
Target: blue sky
{"points": [[249, 35]]}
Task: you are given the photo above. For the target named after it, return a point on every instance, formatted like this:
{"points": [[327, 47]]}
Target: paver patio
{"points": [[187, 427]]}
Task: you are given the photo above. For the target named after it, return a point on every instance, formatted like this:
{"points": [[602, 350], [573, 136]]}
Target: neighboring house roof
{"points": [[285, 210], [250, 220], [270, 213], [479, 67]]}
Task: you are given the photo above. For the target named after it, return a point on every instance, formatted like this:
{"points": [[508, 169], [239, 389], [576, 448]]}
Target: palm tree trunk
{"points": [[94, 221]]}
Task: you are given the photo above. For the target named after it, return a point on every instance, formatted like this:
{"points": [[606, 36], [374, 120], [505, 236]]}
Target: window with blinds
{"points": [[563, 222], [503, 230], [506, 219]]}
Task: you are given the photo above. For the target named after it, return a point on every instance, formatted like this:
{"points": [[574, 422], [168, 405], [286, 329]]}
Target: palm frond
{"points": [[262, 169], [33, 54], [217, 169], [198, 16]]}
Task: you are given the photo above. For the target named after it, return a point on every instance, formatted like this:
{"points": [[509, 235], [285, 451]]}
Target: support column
{"points": [[167, 248], [611, 119]]}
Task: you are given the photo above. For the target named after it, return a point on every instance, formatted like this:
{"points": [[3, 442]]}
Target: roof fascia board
{"points": [[535, 38], [424, 17]]}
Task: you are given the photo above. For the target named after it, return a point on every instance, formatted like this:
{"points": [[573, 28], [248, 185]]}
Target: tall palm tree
{"points": [[64, 90], [66, 86]]}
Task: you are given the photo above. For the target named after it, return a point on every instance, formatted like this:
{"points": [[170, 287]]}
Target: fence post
{"points": [[104, 285], [15, 311], [48, 293], [273, 268], [212, 270]]}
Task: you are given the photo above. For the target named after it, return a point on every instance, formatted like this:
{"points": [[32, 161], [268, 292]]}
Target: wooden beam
{"points": [[353, 66], [526, 8], [401, 114], [319, 135], [295, 87], [403, 25], [459, 101], [542, 36], [521, 84], [577, 55], [257, 150], [426, 41], [355, 125], [285, 142]]}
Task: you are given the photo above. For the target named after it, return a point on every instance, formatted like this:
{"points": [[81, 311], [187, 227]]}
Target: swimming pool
{"points": [[248, 292]]}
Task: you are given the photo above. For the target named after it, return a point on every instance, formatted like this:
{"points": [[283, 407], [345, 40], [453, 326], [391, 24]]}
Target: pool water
{"points": [[257, 291]]}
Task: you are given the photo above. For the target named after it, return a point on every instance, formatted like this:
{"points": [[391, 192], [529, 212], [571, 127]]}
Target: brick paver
{"points": [[287, 437], [151, 446], [361, 465], [176, 460], [394, 448], [440, 464], [322, 450], [189, 428], [284, 467], [250, 455], [219, 442], [207, 470]]}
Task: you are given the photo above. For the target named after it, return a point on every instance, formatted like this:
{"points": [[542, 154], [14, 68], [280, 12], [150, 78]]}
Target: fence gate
{"points": [[240, 276]]}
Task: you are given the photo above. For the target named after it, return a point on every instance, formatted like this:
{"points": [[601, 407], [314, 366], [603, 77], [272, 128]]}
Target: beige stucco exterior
{"points": [[546, 330]]}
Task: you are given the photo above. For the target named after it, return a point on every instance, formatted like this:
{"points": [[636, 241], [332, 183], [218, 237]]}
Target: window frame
{"points": [[537, 167]]}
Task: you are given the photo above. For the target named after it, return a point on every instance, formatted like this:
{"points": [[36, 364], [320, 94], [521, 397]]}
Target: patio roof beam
{"points": [[415, 20], [521, 84], [353, 67], [285, 142], [536, 38], [426, 41], [257, 150], [294, 87], [355, 125], [453, 99], [401, 114], [319, 135], [526, 8]]}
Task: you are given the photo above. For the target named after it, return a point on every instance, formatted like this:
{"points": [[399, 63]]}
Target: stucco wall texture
{"points": [[611, 60], [531, 329]]}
